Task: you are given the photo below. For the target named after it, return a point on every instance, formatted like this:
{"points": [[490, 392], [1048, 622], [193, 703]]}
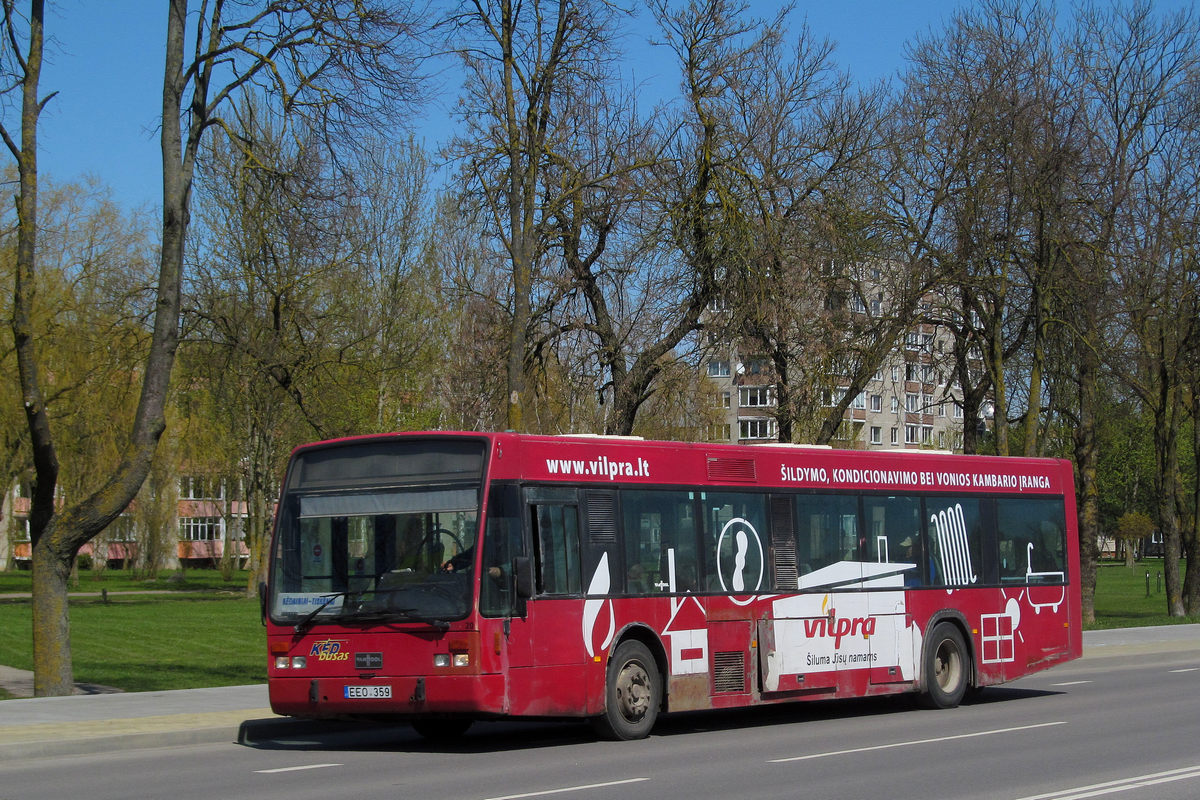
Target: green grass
{"points": [[115, 580], [1121, 600], [150, 642]]}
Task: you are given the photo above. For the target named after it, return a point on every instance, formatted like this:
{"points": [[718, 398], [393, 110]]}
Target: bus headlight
{"points": [[452, 659]]}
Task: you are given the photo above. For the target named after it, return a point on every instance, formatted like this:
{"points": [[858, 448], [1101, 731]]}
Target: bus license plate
{"points": [[367, 692]]}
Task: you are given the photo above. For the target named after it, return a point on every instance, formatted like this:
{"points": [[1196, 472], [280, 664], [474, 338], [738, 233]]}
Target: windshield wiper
{"points": [[303, 625], [380, 615]]}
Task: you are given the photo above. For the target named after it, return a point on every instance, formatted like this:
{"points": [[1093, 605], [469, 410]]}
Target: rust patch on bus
{"points": [[688, 692]]}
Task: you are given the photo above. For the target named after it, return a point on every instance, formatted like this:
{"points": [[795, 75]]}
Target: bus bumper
{"points": [[328, 698]]}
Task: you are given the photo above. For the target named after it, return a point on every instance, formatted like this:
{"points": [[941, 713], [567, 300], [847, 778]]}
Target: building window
{"points": [[912, 341], [758, 366], [722, 399], [757, 428], [718, 368], [895, 405], [895, 374], [199, 529], [912, 403], [719, 432], [895, 437], [876, 434], [912, 434], [755, 396], [831, 397], [926, 434], [860, 400], [199, 487], [876, 402], [912, 372]]}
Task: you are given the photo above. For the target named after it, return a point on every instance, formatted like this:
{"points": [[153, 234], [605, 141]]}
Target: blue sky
{"points": [[105, 62]]}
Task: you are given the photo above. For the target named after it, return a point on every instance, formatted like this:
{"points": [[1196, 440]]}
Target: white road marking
{"points": [[1070, 683], [1112, 787], [569, 789], [1177, 671], [296, 769], [916, 742]]}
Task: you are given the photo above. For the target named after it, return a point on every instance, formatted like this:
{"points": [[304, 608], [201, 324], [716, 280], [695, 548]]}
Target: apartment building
{"points": [[911, 402], [208, 519]]}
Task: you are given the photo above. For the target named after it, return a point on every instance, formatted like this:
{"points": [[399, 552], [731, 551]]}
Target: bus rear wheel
{"points": [[946, 667], [632, 694]]}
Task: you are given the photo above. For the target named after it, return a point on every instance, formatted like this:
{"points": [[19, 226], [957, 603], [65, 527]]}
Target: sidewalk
{"points": [[99, 723]]}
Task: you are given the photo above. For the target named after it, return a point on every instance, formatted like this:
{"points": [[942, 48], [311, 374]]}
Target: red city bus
{"points": [[448, 577]]}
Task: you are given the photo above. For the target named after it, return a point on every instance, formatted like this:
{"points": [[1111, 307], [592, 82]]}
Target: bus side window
{"points": [[826, 530], [556, 535], [660, 541], [502, 544], [954, 529], [893, 535], [736, 542], [1031, 540]]}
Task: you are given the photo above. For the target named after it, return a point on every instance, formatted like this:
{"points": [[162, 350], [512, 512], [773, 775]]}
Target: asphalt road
{"points": [[1124, 721]]}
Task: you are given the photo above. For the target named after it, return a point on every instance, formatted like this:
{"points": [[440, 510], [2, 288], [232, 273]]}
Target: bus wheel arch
{"points": [[947, 662], [634, 686]]}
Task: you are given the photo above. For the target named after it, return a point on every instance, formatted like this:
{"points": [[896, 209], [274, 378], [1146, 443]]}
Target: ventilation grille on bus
{"points": [[731, 469], [786, 575], [729, 672], [602, 517], [783, 543]]}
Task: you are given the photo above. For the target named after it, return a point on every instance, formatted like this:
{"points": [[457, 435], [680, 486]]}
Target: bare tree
{"points": [[326, 59], [1138, 73], [527, 63]]}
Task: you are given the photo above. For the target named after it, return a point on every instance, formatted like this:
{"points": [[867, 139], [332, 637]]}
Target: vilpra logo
{"points": [[832, 626]]}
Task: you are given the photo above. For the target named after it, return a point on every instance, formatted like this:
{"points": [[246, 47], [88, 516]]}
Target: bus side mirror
{"points": [[262, 601], [523, 575]]}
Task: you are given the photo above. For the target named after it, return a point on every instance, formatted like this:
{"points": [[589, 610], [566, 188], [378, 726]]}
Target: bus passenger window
{"points": [[736, 542], [954, 532], [557, 535], [660, 542], [1031, 540], [893, 535], [826, 530]]}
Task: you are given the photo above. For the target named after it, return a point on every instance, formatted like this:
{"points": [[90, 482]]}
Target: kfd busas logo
{"points": [[329, 650]]}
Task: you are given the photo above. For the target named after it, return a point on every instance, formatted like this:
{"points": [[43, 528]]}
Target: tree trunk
{"points": [[1166, 430], [1086, 489], [52, 671], [1033, 411], [1191, 542]]}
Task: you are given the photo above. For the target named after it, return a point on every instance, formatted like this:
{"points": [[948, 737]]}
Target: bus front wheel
{"points": [[947, 669], [632, 694]]}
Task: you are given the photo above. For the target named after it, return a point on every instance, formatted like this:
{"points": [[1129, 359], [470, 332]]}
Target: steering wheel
{"points": [[435, 535]]}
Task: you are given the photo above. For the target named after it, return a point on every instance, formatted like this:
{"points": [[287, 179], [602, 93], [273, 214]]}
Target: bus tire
{"points": [[947, 668], [440, 730], [632, 694]]}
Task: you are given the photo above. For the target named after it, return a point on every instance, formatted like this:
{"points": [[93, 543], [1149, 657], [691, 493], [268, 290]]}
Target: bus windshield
{"points": [[382, 556]]}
